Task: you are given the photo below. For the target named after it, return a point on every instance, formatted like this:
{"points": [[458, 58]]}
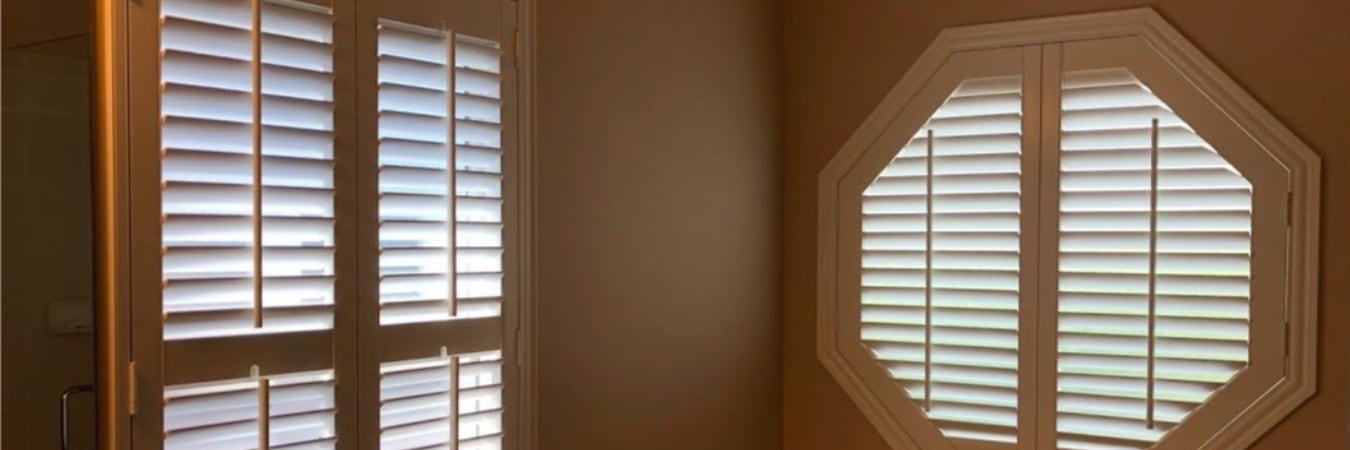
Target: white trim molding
{"points": [[1241, 422], [527, 385]]}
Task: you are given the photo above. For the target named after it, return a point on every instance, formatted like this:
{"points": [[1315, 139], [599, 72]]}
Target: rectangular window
{"points": [[320, 218]]}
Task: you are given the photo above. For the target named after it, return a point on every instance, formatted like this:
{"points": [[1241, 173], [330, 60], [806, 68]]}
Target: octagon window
{"points": [[1077, 242]]}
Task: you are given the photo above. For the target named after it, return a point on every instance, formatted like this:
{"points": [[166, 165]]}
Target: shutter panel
{"points": [[441, 199], [1154, 265], [223, 415], [416, 407], [940, 270], [247, 213]]}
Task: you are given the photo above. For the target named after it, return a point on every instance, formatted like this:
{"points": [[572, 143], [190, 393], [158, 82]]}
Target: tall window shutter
{"points": [[940, 270], [1154, 265], [248, 220], [441, 201]]}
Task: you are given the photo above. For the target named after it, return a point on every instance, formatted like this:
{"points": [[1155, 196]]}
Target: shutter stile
{"points": [[1200, 227], [941, 258]]}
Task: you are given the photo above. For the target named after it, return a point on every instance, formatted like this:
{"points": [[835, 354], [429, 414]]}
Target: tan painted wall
{"points": [[659, 163], [27, 22], [843, 56], [47, 239]]}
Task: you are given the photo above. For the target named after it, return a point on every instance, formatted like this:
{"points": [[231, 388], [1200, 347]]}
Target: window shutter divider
{"points": [[1048, 235]]}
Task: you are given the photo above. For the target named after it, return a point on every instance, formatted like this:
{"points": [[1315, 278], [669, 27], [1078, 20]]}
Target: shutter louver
{"points": [[247, 217], [1154, 248], [940, 246], [441, 230]]}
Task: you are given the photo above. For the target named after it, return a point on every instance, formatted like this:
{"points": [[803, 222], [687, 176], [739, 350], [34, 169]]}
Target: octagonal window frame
{"points": [[1282, 366]]}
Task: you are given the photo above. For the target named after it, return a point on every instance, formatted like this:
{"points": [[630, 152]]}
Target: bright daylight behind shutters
{"points": [[1202, 237], [209, 206], [425, 174], [941, 259]]}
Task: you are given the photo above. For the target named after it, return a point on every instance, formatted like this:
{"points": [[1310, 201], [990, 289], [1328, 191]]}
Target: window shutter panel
{"points": [[441, 226], [1154, 265], [247, 222], [223, 415], [941, 246]]}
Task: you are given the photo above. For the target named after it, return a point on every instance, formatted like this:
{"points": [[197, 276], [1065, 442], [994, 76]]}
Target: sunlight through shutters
{"points": [[441, 225], [941, 245], [248, 217], [1155, 238]]}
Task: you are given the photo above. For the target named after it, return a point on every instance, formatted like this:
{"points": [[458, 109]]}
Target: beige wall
{"points": [[48, 240], [843, 56], [27, 22], [658, 216]]}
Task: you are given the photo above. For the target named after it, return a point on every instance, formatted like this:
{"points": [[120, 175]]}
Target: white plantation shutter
{"points": [[248, 224], [941, 245], [416, 154], [223, 415], [317, 234], [441, 225], [1150, 251], [1154, 265], [416, 408], [209, 169], [1042, 238]]}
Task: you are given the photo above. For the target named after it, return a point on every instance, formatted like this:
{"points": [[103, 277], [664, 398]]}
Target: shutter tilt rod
{"points": [[257, 167], [1152, 272], [452, 274], [453, 364], [928, 285], [264, 408]]}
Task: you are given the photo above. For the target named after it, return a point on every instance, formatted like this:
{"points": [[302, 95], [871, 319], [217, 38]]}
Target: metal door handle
{"points": [[65, 411]]}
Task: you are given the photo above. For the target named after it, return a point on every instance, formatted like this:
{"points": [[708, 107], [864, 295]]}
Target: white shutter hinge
{"points": [[132, 382]]}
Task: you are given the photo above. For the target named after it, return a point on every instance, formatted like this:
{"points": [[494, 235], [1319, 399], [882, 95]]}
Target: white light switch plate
{"points": [[70, 316]]}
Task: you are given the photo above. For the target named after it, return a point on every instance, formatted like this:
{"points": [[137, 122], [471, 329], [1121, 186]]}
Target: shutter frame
{"points": [[834, 345]]}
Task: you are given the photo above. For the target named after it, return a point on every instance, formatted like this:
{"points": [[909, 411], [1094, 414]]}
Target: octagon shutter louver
{"points": [[1173, 226], [248, 217], [441, 203], [940, 270]]}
